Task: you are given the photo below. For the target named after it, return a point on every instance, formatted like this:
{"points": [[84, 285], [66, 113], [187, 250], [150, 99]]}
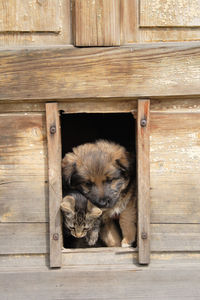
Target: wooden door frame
{"points": [[55, 182]]}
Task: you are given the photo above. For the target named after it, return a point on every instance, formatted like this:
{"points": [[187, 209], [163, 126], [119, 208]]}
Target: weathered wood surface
{"points": [[171, 13], [28, 16], [175, 237], [116, 258], [23, 168], [23, 200], [171, 105], [73, 284], [19, 238], [175, 168], [129, 21], [143, 180], [60, 73], [135, 14], [25, 238], [97, 22], [41, 22], [55, 182]]}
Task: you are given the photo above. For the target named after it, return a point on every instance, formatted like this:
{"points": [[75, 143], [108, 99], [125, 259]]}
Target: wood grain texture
{"points": [[162, 283], [129, 21], [175, 167], [19, 238], [143, 180], [175, 237], [23, 170], [171, 13], [55, 182], [23, 15], [132, 31], [111, 72], [97, 22], [35, 22]]}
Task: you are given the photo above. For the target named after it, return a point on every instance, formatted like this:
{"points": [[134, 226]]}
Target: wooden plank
{"points": [[98, 256], [23, 262], [55, 182], [175, 237], [144, 71], [143, 180], [97, 22], [23, 200], [171, 13], [23, 182], [123, 260], [179, 105], [35, 22], [19, 238], [99, 106], [162, 283], [27, 16], [129, 21], [175, 167]]}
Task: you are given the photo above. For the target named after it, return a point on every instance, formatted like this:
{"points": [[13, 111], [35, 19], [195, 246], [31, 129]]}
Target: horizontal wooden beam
{"points": [[67, 72]]}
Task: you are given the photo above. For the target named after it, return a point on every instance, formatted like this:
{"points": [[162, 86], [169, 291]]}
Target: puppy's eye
{"points": [[89, 184], [109, 180]]}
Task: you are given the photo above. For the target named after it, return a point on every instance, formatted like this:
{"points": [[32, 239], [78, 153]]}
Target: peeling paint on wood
{"points": [[159, 13]]}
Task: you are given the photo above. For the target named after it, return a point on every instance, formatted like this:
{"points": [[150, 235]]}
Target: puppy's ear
{"points": [[93, 211], [68, 204], [123, 161], [69, 168], [126, 164]]}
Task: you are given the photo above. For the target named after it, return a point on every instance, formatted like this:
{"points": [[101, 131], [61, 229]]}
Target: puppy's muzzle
{"points": [[104, 202]]}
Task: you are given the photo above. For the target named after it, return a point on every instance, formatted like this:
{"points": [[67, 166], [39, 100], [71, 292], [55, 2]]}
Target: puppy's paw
{"points": [[125, 244]]}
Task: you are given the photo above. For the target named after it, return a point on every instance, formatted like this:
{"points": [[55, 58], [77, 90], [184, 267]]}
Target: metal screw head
{"points": [[144, 235], [55, 236], [143, 122], [53, 129]]}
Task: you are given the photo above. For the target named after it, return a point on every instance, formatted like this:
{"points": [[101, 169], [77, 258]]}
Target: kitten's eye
{"points": [[71, 228]]}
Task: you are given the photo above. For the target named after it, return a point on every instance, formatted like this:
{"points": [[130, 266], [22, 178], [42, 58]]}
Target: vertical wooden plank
{"points": [[55, 183], [97, 22], [129, 21], [143, 171]]}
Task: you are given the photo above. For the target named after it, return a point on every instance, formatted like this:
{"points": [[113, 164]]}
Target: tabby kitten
{"points": [[81, 217]]}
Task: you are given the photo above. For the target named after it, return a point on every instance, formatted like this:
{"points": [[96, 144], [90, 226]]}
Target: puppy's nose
{"points": [[104, 202]]}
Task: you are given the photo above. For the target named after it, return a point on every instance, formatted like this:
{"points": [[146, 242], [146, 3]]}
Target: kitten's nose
{"points": [[79, 234]]}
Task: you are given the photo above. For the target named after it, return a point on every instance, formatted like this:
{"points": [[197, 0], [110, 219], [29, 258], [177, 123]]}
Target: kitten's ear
{"points": [[69, 168], [93, 211], [68, 204]]}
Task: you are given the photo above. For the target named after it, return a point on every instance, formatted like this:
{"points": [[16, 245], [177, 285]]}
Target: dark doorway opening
{"points": [[80, 128]]}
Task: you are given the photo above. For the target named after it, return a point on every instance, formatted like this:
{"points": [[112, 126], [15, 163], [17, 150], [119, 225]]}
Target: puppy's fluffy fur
{"points": [[102, 172]]}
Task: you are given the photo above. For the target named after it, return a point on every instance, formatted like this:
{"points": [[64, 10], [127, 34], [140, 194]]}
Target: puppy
{"points": [[102, 172]]}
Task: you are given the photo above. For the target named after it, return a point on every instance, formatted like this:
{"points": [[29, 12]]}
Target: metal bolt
{"points": [[53, 129], [144, 235], [143, 122], [55, 236]]}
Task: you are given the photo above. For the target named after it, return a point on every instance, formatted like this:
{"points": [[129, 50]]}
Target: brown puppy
{"points": [[102, 171]]}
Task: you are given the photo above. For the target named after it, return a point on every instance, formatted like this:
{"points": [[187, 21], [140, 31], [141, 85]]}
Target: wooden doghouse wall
{"points": [[67, 22], [174, 169], [103, 79]]}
